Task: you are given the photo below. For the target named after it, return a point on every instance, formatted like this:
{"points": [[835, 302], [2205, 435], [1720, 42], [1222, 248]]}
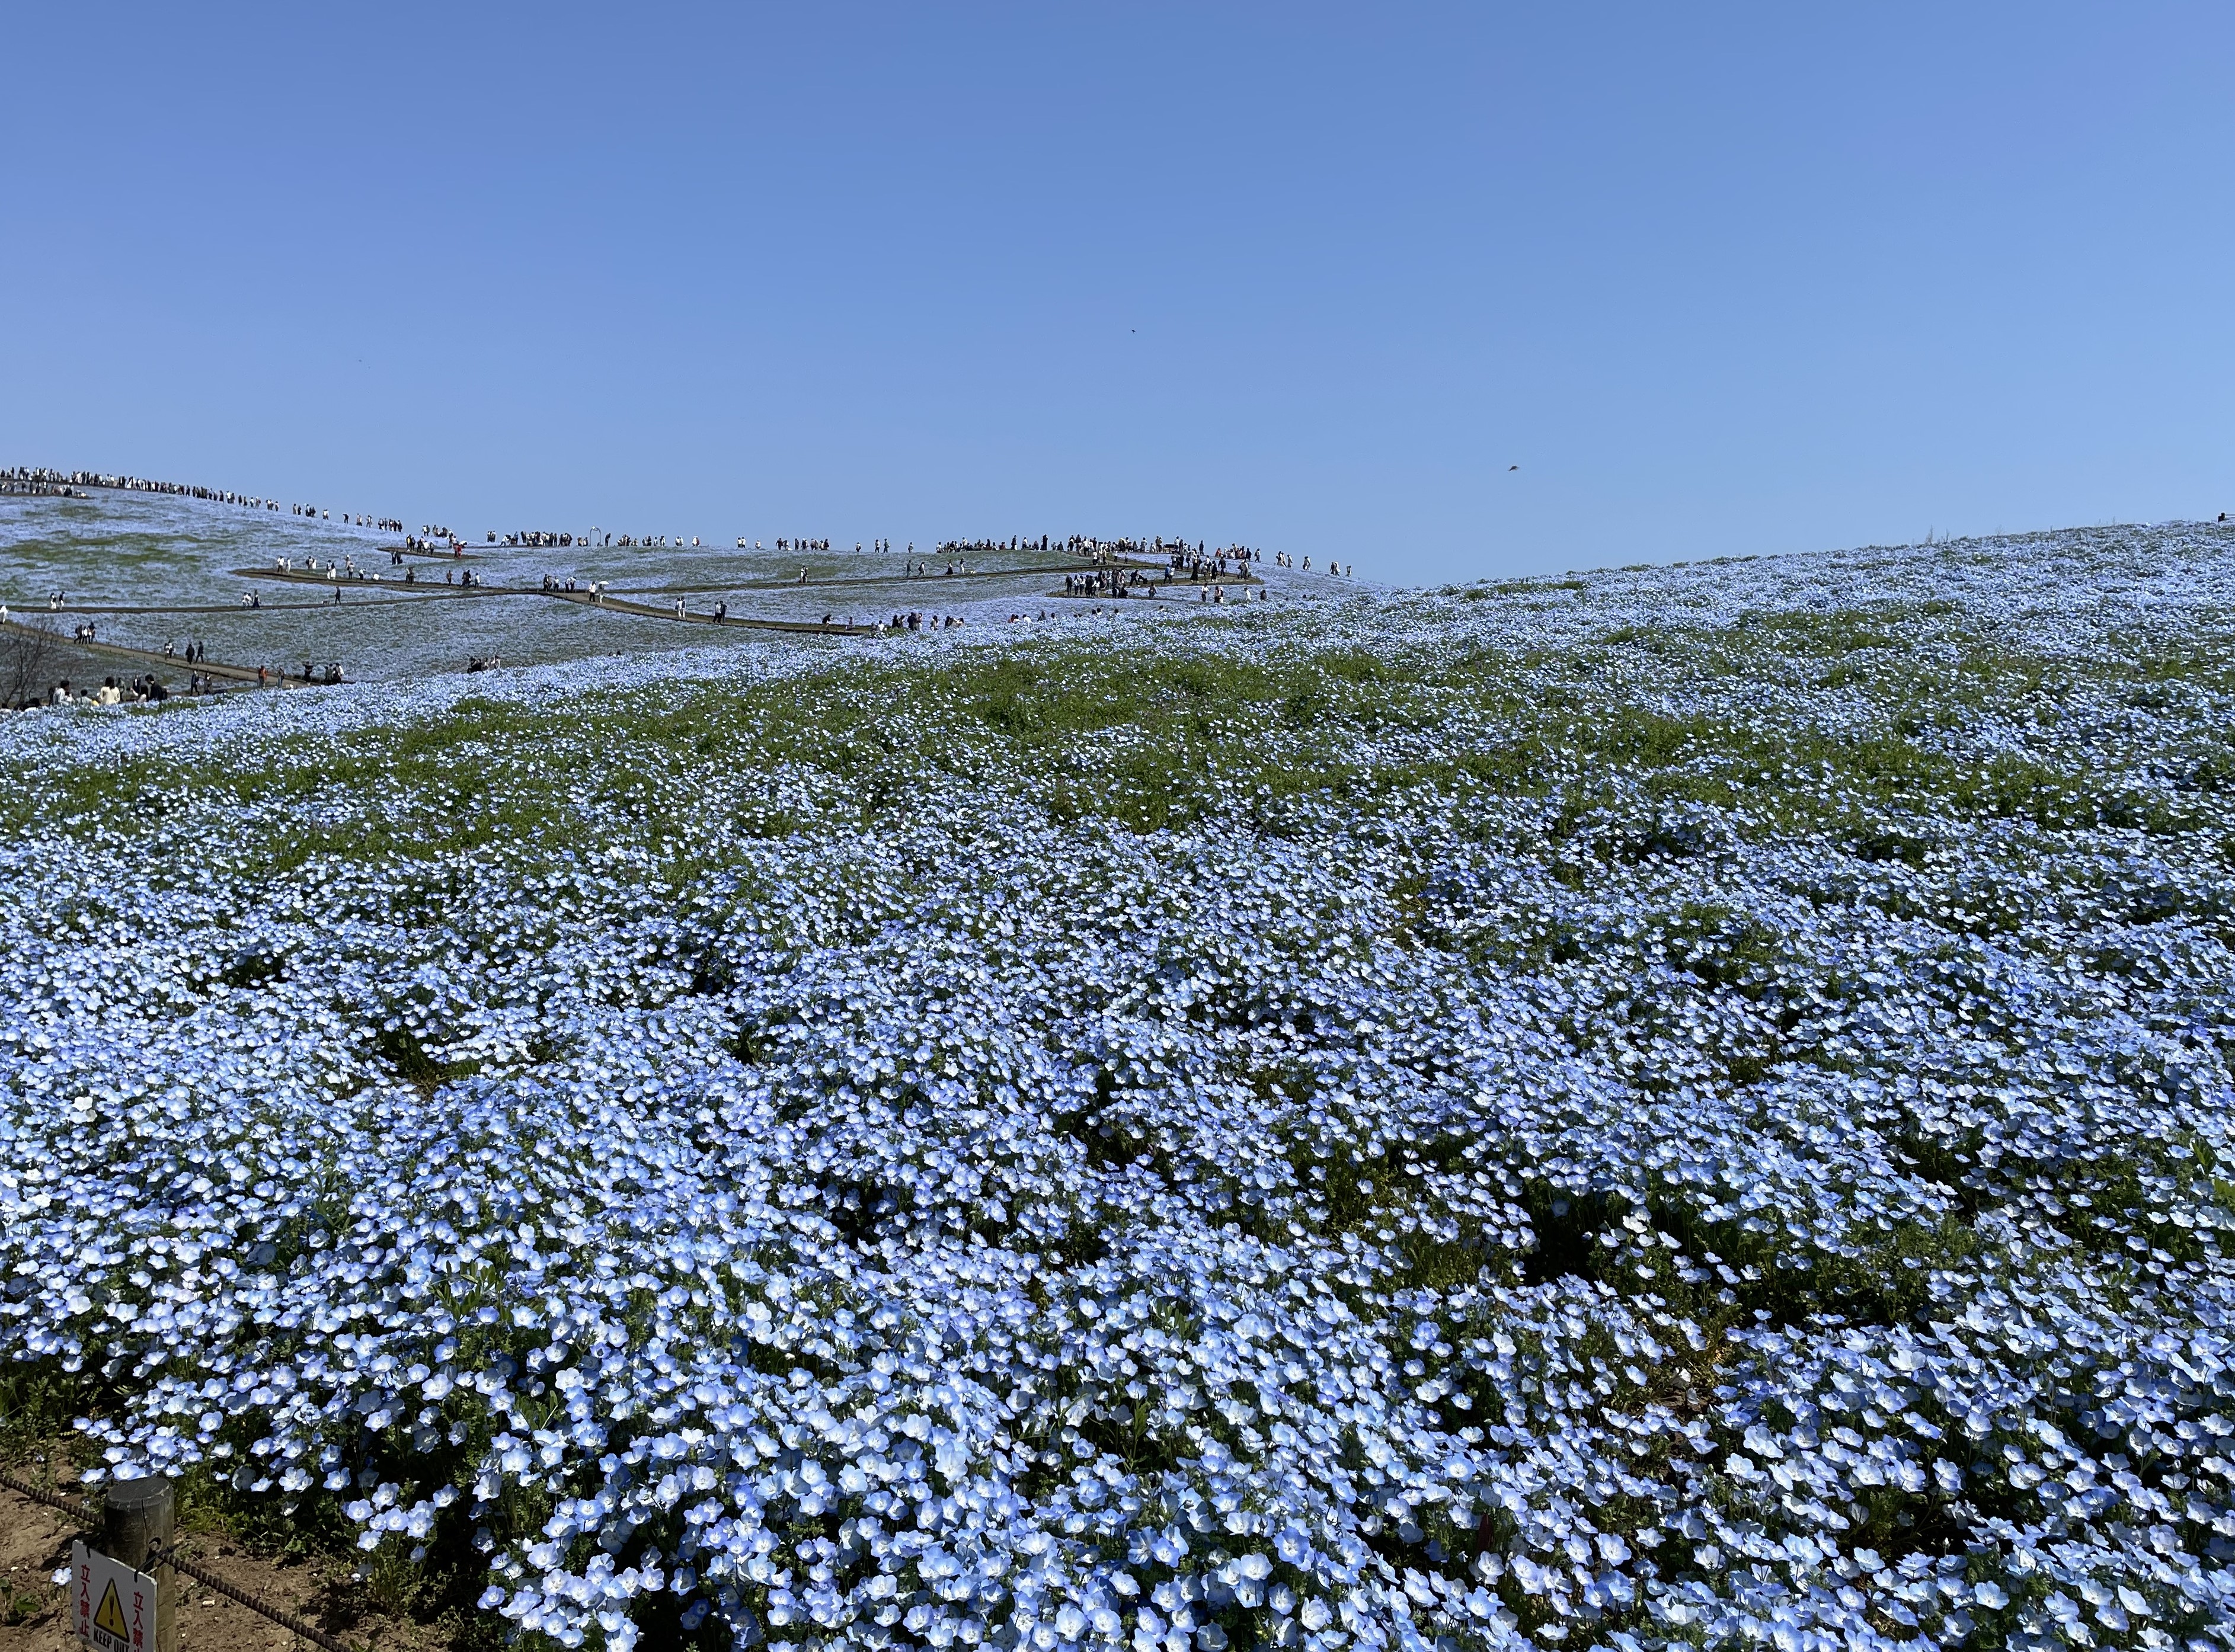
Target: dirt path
{"points": [[149, 656], [384, 593], [910, 580], [34, 1543], [645, 610], [393, 590], [227, 608], [390, 589]]}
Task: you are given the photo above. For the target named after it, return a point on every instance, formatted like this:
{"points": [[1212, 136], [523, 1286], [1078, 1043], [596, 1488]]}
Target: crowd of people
{"points": [[1194, 559], [1229, 563], [384, 524], [1076, 544], [37, 478], [542, 537], [148, 686], [347, 570], [1119, 569], [545, 538], [430, 535], [1216, 573], [25, 477], [1110, 581], [144, 689]]}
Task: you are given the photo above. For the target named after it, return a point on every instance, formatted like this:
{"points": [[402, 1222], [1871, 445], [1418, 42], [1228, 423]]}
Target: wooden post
{"points": [[139, 1519]]}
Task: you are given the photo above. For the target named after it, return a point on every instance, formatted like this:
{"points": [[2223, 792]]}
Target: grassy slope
{"points": [[1147, 737]]}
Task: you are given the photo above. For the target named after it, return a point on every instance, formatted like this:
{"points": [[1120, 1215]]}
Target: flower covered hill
{"points": [[1670, 1106]]}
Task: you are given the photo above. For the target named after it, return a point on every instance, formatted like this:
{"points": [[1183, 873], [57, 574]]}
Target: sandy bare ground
{"points": [[34, 1543]]}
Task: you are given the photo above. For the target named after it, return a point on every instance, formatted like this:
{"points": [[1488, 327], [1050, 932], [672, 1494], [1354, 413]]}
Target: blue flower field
{"points": [[1683, 1106]]}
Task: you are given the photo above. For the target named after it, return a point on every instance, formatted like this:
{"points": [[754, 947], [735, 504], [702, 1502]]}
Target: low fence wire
{"points": [[75, 1508], [286, 1620], [87, 1516]]}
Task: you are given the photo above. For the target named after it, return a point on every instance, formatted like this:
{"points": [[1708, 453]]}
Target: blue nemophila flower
{"points": [[1682, 1106]]}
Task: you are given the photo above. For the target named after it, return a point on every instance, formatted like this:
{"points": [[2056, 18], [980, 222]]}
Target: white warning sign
{"points": [[115, 1606]]}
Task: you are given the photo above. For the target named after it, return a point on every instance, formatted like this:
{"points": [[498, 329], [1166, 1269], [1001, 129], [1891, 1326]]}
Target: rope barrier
{"points": [[286, 1620], [76, 1508], [85, 1515]]}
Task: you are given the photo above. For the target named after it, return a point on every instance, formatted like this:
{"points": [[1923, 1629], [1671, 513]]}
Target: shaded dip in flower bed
{"points": [[1672, 1106]]}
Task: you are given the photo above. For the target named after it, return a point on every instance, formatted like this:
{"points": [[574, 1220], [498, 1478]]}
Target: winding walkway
{"points": [[387, 591], [154, 656], [611, 603], [227, 608]]}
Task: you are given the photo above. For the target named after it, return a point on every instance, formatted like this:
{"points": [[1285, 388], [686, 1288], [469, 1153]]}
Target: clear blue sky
{"points": [[1718, 280]]}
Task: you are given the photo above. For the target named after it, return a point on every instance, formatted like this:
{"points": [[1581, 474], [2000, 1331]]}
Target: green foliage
{"points": [[401, 1046]]}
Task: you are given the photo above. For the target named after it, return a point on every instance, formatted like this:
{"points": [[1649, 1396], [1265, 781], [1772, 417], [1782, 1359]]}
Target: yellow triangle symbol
{"points": [[110, 1617]]}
